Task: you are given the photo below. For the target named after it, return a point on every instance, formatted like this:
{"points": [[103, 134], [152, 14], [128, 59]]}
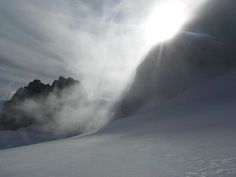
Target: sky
{"points": [[77, 38], [99, 42]]}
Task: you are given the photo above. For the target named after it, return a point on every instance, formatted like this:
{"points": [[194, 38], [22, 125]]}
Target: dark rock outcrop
{"points": [[174, 66], [38, 89], [14, 116]]}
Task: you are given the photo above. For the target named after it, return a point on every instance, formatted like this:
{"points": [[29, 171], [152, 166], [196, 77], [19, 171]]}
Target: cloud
{"points": [[67, 112], [99, 42], [86, 40], [96, 42]]}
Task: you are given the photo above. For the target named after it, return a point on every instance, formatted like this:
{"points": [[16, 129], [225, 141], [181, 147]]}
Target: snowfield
{"points": [[191, 136]]}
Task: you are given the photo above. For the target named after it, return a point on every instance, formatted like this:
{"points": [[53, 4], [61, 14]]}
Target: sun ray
{"points": [[167, 19]]}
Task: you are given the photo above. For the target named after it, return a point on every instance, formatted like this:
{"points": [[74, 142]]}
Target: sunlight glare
{"points": [[165, 21]]}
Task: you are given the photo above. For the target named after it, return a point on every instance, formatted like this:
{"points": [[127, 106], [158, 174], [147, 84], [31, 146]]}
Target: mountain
{"points": [[28, 106], [38, 89], [172, 67], [177, 140], [216, 18]]}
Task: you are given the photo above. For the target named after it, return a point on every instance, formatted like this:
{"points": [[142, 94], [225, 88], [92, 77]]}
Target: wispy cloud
{"points": [[98, 42], [90, 41]]}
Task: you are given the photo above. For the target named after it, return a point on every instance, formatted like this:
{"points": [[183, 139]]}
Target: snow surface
{"points": [[25, 136], [182, 138]]}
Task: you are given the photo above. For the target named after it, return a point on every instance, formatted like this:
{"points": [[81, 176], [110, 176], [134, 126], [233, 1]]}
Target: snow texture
{"points": [[182, 138]]}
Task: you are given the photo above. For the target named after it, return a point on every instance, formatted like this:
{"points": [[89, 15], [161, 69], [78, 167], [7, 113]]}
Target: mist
{"points": [[99, 43], [64, 113], [89, 41]]}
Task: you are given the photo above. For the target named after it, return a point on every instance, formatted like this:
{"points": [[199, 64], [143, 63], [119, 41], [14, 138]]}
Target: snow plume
{"points": [[96, 42], [66, 112]]}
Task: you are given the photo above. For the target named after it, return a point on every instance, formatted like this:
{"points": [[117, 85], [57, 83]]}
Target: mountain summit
{"points": [[28, 106]]}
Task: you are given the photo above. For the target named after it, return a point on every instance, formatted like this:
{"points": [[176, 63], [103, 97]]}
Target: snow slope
{"points": [[182, 138], [25, 136]]}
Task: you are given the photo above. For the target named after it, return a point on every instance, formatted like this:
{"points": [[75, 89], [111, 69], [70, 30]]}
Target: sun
{"points": [[164, 22]]}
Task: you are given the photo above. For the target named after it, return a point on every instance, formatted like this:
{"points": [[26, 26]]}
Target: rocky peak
{"points": [[62, 82], [12, 118], [37, 88]]}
